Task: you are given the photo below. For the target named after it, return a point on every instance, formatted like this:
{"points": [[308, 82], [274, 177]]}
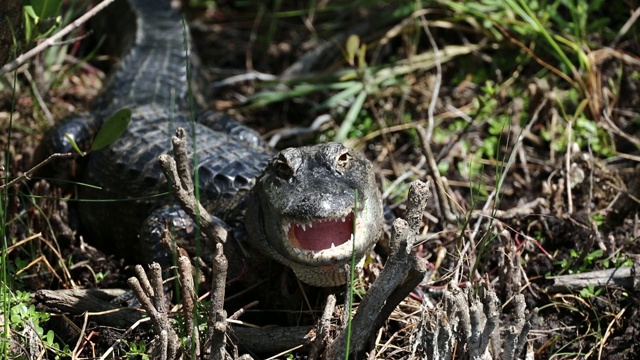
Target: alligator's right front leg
{"points": [[170, 227], [81, 128]]}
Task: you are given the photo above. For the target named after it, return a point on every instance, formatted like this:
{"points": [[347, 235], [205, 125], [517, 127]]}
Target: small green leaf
{"points": [[362, 57], [49, 337], [353, 43], [28, 9], [112, 129], [585, 293], [74, 144], [46, 8]]}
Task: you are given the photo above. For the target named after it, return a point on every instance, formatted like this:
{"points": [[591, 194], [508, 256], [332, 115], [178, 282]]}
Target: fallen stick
{"points": [[625, 277], [94, 301]]}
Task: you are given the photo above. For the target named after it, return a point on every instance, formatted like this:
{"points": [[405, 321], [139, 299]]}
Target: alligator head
{"points": [[302, 211]]}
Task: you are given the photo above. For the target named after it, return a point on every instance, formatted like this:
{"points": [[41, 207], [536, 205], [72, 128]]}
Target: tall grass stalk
{"points": [[352, 275], [5, 287], [196, 180]]}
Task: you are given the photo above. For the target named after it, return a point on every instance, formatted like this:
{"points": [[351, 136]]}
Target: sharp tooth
{"points": [[333, 245], [304, 228], [310, 225], [344, 219]]}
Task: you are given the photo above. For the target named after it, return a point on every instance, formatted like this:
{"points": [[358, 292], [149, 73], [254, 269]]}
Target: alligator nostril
{"points": [[282, 168], [344, 158]]}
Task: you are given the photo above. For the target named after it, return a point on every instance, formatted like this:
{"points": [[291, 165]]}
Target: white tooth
{"points": [[344, 219], [304, 228], [351, 238], [310, 225], [333, 245]]}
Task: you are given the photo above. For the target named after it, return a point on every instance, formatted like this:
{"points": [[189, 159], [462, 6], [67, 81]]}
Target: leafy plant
{"points": [[23, 317], [42, 17], [558, 36], [137, 350], [352, 86], [617, 261], [590, 291], [587, 263]]}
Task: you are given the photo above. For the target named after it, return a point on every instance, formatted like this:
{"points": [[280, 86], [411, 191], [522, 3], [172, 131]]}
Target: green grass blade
{"points": [[348, 121], [352, 275], [525, 12]]}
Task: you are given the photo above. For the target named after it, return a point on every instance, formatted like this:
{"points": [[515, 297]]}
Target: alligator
{"points": [[299, 206]]}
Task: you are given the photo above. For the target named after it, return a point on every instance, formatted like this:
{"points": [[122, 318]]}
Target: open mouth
{"points": [[322, 234]]}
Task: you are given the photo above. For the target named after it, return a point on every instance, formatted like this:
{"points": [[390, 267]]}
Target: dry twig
{"points": [[92, 301], [447, 206], [467, 322], [149, 291], [322, 328], [27, 174], [179, 177], [625, 277], [188, 305]]}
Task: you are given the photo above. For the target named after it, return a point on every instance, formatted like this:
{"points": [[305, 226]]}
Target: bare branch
{"points": [[469, 321], [27, 174], [151, 296], [54, 38], [322, 328]]}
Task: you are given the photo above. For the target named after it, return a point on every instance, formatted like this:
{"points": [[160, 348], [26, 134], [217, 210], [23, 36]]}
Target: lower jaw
{"points": [[327, 275]]}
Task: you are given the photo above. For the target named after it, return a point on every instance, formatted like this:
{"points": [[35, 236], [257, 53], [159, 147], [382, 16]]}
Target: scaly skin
{"points": [[314, 186]]}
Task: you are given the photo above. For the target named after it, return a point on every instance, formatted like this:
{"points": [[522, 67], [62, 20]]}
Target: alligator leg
{"points": [[170, 227], [79, 127]]}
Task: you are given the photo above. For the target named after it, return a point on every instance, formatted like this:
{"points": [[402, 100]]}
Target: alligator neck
{"points": [[153, 57]]}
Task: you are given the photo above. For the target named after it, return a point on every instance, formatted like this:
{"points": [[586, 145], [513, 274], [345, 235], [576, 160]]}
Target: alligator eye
{"points": [[343, 159], [282, 169]]}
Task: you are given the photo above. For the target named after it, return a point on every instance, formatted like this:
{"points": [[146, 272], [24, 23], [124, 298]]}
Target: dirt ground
{"points": [[558, 209]]}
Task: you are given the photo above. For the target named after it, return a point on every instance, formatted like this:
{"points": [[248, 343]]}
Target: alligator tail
{"points": [[154, 48]]}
